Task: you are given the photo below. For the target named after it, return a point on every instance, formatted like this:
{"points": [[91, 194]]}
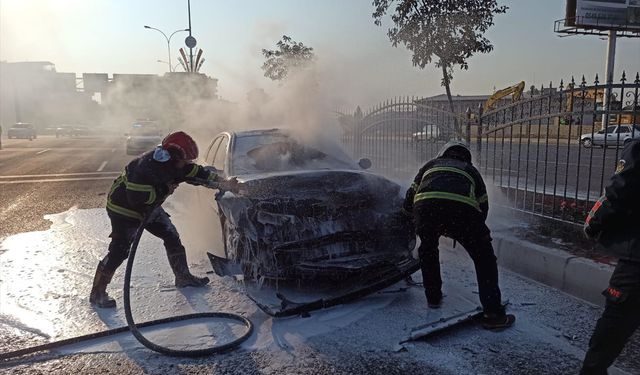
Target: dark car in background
{"points": [[142, 137], [22, 130], [306, 211]]}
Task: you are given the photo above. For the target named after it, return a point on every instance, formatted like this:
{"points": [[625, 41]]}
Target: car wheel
{"points": [[587, 142]]}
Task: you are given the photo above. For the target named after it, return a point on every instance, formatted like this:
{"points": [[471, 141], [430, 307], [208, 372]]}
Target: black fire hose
{"points": [[164, 350], [134, 327]]}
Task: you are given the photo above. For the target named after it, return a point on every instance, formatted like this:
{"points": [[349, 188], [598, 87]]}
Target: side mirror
{"points": [[364, 163]]}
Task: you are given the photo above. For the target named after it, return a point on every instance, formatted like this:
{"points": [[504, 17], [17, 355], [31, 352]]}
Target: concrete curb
{"points": [[577, 276]]}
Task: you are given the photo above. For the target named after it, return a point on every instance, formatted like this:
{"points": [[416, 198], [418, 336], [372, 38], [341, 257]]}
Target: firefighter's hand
{"points": [[230, 184], [591, 232]]}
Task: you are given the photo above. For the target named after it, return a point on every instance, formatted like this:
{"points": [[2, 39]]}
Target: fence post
{"points": [[468, 125], [479, 133]]}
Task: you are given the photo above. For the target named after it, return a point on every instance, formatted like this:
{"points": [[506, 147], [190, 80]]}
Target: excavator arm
{"points": [[516, 90]]}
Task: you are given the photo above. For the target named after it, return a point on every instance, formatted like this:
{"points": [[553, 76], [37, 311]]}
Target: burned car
{"points": [[307, 213]]}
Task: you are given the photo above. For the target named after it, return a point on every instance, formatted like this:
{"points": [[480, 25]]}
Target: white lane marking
{"points": [[42, 152], [60, 175], [104, 164], [55, 180]]}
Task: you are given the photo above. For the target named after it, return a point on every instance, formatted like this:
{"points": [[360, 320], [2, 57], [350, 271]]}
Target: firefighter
{"points": [[145, 183], [613, 222], [448, 198]]}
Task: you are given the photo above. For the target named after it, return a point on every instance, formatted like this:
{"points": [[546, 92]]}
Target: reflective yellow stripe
{"points": [[449, 169], [483, 199], [141, 188], [445, 195], [123, 211], [193, 172]]}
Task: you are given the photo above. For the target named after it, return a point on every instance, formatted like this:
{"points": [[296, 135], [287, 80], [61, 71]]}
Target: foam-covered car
{"points": [[306, 212]]}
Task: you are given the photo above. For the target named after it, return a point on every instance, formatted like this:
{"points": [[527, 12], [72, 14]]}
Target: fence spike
{"points": [[637, 81], [561, 84], [624, 77], [584, 82], [597, 80]]}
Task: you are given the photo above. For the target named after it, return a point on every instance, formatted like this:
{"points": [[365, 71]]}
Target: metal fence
{"points": [[550, 154]]}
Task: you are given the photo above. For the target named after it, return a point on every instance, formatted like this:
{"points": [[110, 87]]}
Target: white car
{"points": [[428, 133], [144, 136], [613, 135]]}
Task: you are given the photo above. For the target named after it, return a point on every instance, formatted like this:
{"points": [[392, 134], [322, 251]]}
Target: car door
{"points": [[606, 136], [623, 132]]}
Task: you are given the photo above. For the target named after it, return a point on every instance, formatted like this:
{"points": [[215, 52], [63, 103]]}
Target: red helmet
{"points": [[182, 144]]}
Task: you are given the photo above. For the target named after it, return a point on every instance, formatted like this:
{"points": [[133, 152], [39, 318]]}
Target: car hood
{"points": [[317, 183]]}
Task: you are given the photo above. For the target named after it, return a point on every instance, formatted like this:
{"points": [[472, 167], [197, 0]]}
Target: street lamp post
{"points": [[168, 41], [166, 62]]}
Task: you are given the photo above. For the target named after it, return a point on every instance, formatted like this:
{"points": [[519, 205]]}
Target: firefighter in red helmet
{"points": [[139, 192]]}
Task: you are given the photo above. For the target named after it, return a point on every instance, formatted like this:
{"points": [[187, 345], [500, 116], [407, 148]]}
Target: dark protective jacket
{"points": [[145, 182], [615, 219], [450, 179]]}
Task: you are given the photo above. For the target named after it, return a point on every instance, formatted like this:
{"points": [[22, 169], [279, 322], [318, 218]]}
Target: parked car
{"points": [[428, 133], [612, 135], [305, 213], [22, 130], [143, 136], [65, 131]]}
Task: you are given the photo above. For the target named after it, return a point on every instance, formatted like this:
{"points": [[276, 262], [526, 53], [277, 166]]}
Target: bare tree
{"points": [[447, 31], [288, 55]]}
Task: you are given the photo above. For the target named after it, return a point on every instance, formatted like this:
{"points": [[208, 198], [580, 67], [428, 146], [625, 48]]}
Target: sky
{"points": [[356, 61]]}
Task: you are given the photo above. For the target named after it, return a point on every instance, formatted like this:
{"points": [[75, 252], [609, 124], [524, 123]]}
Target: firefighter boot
{"points": [[99, 296], [184, 278]]}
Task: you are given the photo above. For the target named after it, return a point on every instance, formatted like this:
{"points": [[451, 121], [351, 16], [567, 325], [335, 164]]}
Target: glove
{"points": [[231, 185], [591, 232], [171, 187]]}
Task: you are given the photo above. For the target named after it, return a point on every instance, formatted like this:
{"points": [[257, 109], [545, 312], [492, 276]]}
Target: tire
{"points": [[587, 143]]}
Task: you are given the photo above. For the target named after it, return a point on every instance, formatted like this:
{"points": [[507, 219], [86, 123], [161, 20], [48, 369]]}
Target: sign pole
{"points": [[611, 60], [190, 48]]}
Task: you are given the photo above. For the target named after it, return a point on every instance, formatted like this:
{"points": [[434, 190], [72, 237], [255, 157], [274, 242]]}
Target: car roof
{"points": [[248, 133]]}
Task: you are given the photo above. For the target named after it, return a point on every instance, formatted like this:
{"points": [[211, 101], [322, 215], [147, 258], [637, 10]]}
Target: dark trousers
{"points": [[463, 223], [123, 231], [621, 317]]}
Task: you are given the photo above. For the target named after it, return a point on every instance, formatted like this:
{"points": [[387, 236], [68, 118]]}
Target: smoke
{"points": [[298, 105]]}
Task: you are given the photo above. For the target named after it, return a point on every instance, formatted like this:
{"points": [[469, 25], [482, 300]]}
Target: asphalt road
{"points": [[51, 175]]}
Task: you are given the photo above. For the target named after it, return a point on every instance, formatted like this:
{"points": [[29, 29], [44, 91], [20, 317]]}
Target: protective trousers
{"points": [[621, 317], [465, 224], [123, 231]]}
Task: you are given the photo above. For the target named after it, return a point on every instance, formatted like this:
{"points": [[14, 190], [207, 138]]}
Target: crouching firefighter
{"points": [[448, 198], [614, 223], [141, 189]]}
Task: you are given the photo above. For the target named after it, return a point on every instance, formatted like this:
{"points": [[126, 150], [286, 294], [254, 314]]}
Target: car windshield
{"points": [[263, 153], [144, 130]]}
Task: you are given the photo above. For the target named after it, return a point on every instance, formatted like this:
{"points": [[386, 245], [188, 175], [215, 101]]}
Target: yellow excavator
{"points": [[516, 90]]}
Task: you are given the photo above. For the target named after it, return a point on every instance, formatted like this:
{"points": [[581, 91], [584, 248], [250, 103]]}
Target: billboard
{"points": [[604, 14], [95, 82]]}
